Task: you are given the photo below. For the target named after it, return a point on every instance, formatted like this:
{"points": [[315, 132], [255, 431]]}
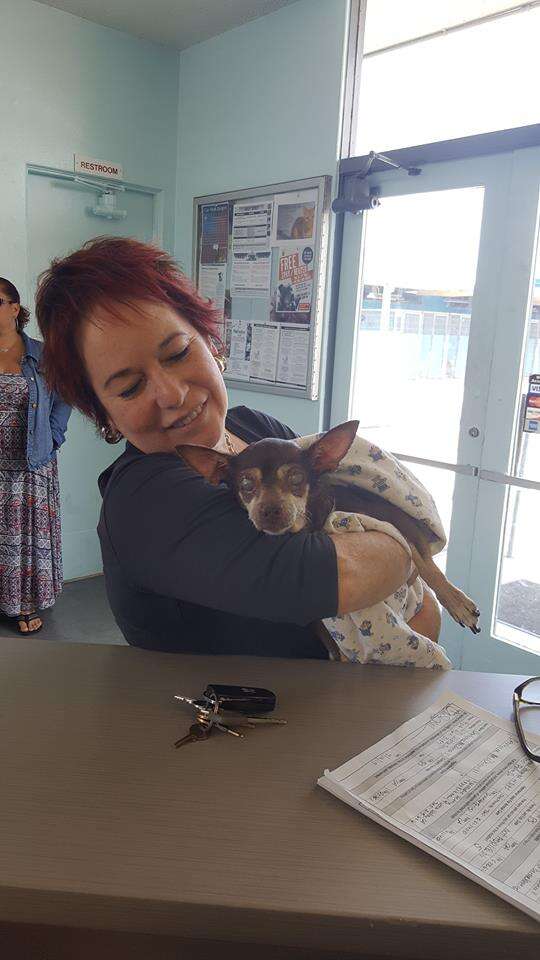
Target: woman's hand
{"points": [[371, 566]]}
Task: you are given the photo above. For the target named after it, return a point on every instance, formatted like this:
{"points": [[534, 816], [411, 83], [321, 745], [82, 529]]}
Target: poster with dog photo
{"points": [[294, 287]]}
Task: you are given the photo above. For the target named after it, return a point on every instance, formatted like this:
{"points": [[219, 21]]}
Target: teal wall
{"points": [[260, 104], [257, 105], [68, 86]]}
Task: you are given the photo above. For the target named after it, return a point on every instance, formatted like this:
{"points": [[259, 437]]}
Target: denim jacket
{"points": [[47, 413]]}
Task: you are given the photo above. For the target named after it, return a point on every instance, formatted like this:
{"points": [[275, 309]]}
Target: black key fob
{"points": [[248, 700]]}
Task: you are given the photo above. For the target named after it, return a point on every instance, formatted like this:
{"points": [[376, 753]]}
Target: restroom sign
{"points": [[98, 168]]}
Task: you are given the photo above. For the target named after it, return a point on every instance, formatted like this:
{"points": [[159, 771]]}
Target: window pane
{"points": [[472, 81], [419, 272], [393, 21], [518, 599]]}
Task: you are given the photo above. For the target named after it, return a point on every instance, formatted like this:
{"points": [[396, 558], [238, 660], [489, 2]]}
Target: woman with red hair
{"points": [[130, 343]]}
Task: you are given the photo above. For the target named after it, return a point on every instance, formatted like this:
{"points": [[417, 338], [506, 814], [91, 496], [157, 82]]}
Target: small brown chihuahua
{"points": [[285, 489]]}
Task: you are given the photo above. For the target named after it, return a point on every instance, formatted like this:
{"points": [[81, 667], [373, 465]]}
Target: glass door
{"points": [[421, 276], [505, 560]]}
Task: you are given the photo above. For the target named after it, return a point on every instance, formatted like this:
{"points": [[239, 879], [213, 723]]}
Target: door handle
{"points": [[466, 469], [495, 477]]}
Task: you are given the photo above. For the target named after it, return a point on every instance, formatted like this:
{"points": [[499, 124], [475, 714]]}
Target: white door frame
{"points": [[504, 265], [512, 315]]}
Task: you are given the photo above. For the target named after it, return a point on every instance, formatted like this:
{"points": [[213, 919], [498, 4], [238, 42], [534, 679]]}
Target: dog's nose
{"points": [[271, 512]]}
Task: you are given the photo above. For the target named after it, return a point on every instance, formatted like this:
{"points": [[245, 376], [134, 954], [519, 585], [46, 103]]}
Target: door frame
{"points": [[496, 472], [503, 261], [157, 193]]}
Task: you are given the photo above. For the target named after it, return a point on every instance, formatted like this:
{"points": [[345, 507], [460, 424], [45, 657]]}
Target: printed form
{"points": [[455, 782]]}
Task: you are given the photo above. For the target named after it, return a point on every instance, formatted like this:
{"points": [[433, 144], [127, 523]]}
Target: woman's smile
{"points": [[182, 422]]}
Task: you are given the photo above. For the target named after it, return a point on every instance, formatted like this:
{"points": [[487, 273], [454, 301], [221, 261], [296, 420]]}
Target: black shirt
{"points": [[187, 571]]}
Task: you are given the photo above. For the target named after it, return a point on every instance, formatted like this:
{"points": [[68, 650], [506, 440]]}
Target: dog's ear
{"points": [[211, 464], [328, 451]]}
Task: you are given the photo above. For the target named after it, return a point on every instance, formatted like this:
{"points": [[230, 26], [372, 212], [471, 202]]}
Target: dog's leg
{"points": [[463, 610]]}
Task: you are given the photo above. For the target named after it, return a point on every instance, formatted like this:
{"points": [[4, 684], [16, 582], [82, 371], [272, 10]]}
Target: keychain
{"points": [[226, 707]]}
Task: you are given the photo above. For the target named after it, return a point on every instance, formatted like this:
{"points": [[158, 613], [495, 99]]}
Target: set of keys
{"points": [[225, 707]]}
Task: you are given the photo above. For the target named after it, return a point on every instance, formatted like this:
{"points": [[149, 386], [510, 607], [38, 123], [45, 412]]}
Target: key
{"points": [[226, 729], [202, 706], [197, 731], [241, 720], [255, 721]]}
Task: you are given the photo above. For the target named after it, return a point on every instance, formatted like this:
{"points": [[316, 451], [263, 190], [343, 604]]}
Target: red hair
{"points": [[107, 270]]}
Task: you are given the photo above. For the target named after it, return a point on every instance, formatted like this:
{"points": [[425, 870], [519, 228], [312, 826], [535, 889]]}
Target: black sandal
{"points": [[26, 618]]}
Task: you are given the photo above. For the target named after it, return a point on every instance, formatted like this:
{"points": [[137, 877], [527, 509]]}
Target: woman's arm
{"points": [[371, 566], [178, 536], [59, 414]]}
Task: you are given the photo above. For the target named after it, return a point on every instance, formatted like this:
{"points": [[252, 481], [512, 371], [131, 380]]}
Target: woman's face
{"points": [[8, 311], [155, 376]]}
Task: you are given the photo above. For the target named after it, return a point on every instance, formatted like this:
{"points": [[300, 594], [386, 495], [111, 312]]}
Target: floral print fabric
{"points": [[381, 634]]}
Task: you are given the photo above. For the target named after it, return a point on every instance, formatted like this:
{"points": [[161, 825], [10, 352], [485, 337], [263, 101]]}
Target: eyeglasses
{"points": [[3, 301], [526, 698]]}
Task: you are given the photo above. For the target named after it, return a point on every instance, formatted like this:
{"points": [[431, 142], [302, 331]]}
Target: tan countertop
{"points": [[106, 827]]}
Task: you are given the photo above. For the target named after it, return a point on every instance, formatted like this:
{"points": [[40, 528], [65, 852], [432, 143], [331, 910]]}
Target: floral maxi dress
{"points": [[30, 535]]}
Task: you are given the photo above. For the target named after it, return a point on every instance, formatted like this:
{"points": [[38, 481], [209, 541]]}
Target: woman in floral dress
{"points": [[32, 426]]}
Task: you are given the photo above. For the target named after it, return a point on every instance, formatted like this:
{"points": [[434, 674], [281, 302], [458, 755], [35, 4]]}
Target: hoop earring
{"points": [[110, 435], [221, 362]]}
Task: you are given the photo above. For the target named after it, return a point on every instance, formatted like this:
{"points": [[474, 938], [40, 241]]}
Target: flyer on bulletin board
{"points": [[214, 233], [251, 254], [239, 363], [212, 286], [532, 405], [293, 356], [264, 351], [295, 281]]}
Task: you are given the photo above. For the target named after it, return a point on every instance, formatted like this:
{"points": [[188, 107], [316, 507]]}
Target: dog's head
{"points": [[273, 479]]}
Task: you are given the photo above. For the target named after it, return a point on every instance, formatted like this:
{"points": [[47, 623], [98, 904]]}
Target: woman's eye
{"points": [[247, 484], [131, 391], [177, 356], [296, 476]]}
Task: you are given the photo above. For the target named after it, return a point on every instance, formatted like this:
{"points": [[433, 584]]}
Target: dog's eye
{"points": [[247, 485], [295, 476]]}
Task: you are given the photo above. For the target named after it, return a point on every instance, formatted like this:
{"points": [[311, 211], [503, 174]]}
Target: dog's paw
{"points": [[460, 607]]}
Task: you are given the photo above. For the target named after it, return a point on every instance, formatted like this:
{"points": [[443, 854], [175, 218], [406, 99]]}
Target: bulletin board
{"points": [[260, 255]]}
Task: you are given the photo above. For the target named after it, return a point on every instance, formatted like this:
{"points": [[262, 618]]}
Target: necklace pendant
{"points": [[230, 445]]}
